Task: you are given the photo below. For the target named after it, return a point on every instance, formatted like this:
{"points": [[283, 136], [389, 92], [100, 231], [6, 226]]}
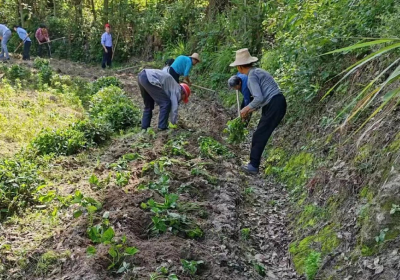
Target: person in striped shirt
{"points": [[268, 97]]}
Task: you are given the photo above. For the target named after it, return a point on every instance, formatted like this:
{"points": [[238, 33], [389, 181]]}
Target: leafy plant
{"points": [[191, 267], [245, 233], [18, 72], [237, 130], [112, 105], [45, 74], [259, 268], [104, 82], [312, 264], [381, 237], [87, 204], [19, 184], [122, 178], [60, 142], [96, 131], [94, 181], [38, 63], [395, 209], [161, 186], [211, 148], [176, 147]]}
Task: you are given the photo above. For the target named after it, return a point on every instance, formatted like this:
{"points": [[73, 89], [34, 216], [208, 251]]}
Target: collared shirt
{"points": [[182, 65], [262, 87], [42, 36], [23, 35], [163, 80], [244, 89], [106, 39], [3, 30]]}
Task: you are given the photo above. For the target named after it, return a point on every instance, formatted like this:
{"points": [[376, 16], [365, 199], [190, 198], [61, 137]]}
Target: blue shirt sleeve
{"points": [[103, 39], [244, 90], [188, 66]]}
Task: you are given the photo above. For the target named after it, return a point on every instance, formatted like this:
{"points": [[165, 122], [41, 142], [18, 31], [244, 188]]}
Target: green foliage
{"points": [[191, 267], [237, 130], [18, 72], [112, 105], [95, 131], [45, 74], [38, 63], [19, 184], [176, 147], [381, 237], [312, 264], [245, 233], [49, 260], [59, 142], [87, 204], [122, 178], [395, 209], [105, 82], [259, 268], [211, 148]]}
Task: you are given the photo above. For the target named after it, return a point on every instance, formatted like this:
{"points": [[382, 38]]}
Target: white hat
{"points": [[195, 56], [243, 57]]}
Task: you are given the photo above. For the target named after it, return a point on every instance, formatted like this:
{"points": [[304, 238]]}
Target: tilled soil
{"points": [[233, 203]]}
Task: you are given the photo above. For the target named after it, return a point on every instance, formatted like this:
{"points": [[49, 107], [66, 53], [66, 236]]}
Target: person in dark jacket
{"points": [[267, 97]]}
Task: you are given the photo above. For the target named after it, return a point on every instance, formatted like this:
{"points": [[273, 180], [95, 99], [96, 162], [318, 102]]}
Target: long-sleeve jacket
{"points": [[164, 80], [262, 87], [23, 35]]}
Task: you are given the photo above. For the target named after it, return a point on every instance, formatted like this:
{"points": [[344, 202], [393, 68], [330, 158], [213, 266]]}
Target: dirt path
{"points": [[244, 219]]}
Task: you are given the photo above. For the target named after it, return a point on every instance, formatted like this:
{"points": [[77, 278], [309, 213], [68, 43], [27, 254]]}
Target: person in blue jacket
{"points": [[182, 66], [239, 82], [5, 35], [24, 36]]}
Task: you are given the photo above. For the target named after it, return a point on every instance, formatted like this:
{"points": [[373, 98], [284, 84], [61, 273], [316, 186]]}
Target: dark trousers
{"points": [[44, 45], [27, 49], [272, 114], [107, 57], [152, 94], [174, 75]]}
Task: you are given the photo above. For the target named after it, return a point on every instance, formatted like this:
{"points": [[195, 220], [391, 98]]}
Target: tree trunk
{"points": [[21, 12], [93, 10], [106, 10]]}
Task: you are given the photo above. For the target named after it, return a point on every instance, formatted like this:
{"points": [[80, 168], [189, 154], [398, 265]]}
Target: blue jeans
{"points": [[4, 42], [152, 94]]}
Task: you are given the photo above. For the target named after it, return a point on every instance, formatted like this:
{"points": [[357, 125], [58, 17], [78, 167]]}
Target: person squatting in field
{"points": [[267, 96], [43, 39], [157, 86], [106, 42], [239, 82], [24, 36], [182, 66]]}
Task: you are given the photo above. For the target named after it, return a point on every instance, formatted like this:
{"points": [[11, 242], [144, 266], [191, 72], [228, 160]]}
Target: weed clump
{"points": [[112, 105], [312, 265], [211, 148], [38, 63], [105, 82], [237, 131], [17, 72]]}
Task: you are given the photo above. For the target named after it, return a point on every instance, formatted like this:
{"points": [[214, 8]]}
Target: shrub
{"points": [[38, 63], [104, 82], [95, 131], [112, 105], [17, 72], [237, 130], [19, 181], [60, 142], [83, 90], [45, 74]]}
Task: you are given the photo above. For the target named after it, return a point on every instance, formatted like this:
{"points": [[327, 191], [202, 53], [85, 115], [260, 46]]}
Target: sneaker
{"points": [[250, 169], [162, 129]]}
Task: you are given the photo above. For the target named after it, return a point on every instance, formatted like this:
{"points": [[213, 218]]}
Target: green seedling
{"points": [[174, 223], [94, 181], [176, 147], [122, 178], [162, 272], [245, 233], [259, 268], [248, 191], [191, 267], [381, 237], [211, 148], [159, 165], [122, 163], [237, 130], [161, 186], [197, 171], [395, 209], [86, 204]]}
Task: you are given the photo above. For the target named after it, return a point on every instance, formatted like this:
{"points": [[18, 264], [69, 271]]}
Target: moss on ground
{"points": [[324, 242], [49, 260]]}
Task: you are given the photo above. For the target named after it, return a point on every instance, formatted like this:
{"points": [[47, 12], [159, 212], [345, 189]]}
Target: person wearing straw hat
{"points": [[182, 66], [157, 86], [268, 97]]}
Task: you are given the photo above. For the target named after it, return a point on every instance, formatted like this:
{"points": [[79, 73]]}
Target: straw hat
{"points": [[243, 57], [195, 56]]}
